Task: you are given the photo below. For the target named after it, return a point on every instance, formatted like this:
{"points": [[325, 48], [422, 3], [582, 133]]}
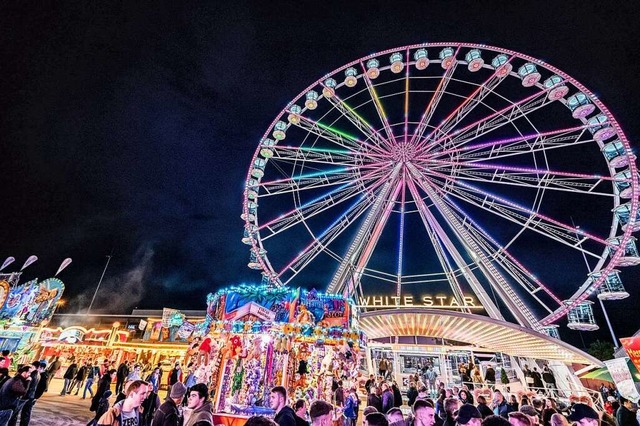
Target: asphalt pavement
{"points": [[52, 409]]}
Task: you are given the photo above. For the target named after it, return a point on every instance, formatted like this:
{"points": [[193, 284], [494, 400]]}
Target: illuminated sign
{"points": [[426, 301], [71, 335]]}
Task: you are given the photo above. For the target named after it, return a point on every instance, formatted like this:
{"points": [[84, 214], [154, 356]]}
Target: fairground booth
{"points": [[257, 337]]}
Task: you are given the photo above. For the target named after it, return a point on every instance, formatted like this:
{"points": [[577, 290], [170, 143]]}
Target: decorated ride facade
{"points": [[258, 337]]}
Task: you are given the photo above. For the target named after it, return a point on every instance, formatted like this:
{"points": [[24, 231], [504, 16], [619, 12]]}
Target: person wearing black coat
{"points": [[397, 395], [373, 400], [412, 393], [69, 375], [103, 385]]}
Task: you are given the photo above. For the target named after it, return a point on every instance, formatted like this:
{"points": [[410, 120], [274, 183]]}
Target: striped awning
{"points": [[487, 334]]}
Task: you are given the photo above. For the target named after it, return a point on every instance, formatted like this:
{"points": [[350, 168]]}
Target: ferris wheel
{"points": [[447, 165]]}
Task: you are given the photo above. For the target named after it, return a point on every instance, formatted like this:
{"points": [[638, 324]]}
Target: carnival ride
{"points": [[448, 165]]}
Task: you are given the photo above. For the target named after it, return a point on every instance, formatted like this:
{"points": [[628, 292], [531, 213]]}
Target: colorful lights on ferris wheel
{"points": [[616, 154], [580, 317], [312, 99], [447, 56], [622, 182], [329, 89], [267, 146], [623, 213], [557, 90], [422, 59], [350, 79], [611, 288], [630, 256], [529, 74], [474, 59], [502, 65], [396, 63], [600, 128], [580, 105], [279, 130], [373, 68]]}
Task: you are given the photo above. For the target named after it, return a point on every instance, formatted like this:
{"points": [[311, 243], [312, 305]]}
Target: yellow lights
{"points": [[487, 333], [116, 324]]}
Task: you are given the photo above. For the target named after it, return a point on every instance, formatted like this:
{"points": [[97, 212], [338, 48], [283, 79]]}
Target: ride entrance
{"points": [[467, 197]]}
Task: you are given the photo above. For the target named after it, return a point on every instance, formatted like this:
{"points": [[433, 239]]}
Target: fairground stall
{"points": [[256, 337], [24, 311]]}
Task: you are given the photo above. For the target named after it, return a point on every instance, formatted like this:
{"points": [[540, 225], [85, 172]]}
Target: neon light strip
{"points": [[378, 105]]}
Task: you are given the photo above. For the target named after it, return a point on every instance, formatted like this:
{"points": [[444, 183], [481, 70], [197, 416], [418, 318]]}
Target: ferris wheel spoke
{"points": [[521, 144], [331, 134], [320, 243], [522, 216], [491, 122], [500, 254], [517, 307], [526, 177], [464, 108], [359, 122], [335, 229], [446, 248], [434, 101], [318, 205], [295, 155], [348, 274], [378, 105]]}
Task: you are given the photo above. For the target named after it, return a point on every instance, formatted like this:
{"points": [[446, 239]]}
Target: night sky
{"points": [[129, 129]]}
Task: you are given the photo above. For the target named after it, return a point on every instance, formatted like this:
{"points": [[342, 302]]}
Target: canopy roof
{"points": [[486, 333]]}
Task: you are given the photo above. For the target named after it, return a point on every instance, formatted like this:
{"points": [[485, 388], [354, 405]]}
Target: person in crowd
{"points": [[11, 393], [375, 419], [368, 410], [300, 409], [583, 415], [500, 407], [175, 376], [517, 418], [168, 413], [442, 395], [624, 415], [382, 367], [5, 360], [549, 379], [149, 406], [530, 411], [121, 376], [284, 415], [129, 410], [412, 393], [430, 377], [371, 381], [395, 417], [465, 396], [135, 373], [103, 385], [53, 368], [103, 407], [387, 398], [451, 406], [320, 413], [93, 373], [350, 411], [374, 400], [490, 376], [31, 396], [154, 379], [78, 379], [469, 415], [69, 375], [513, 404], [397, 395], [558, 419], [484, 409], [338, 394], [200, 406], [424, 413]]}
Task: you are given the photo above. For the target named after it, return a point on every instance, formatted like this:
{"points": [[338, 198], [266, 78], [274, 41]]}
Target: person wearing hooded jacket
{"points": [[199, 403], [11, 392]]}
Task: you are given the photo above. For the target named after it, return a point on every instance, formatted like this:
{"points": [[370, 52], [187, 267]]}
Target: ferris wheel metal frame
{"points": [[438, 165]]}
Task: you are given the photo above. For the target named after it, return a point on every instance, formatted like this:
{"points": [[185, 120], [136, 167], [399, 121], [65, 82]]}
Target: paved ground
{"points": [[55, 410]]}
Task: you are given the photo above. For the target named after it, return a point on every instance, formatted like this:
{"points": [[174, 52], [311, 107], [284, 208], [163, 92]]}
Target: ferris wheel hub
{"points": [[403, 152]]}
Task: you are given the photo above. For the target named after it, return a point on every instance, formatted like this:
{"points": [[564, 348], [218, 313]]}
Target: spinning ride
{"points": [[447, 167]]}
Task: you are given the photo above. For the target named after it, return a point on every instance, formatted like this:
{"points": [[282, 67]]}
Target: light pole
{"points": [[99, 282]]}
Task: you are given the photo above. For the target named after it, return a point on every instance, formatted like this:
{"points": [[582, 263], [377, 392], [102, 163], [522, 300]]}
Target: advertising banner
{"points": [[622, 377], [632, 346]]}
